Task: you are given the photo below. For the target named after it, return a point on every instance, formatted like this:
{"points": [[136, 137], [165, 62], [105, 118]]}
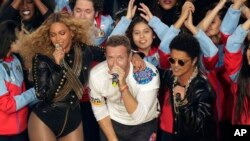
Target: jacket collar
{"points": [[8, 59]]}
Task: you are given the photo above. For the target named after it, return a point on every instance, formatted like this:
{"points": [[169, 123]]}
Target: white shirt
{"points": [[106, 99]]}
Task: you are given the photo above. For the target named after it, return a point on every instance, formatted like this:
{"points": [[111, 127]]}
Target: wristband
{"points": [[123, 88]]}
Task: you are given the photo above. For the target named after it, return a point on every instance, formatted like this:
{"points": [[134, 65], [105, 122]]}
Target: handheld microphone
{"points": [[115, 79], [57, 46], [178, 97]]}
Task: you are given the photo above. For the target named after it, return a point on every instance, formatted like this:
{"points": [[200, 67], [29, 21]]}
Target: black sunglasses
{"points": [[181, 62]]}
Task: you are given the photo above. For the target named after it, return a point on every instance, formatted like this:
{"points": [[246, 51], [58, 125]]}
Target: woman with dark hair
{"points": [[237, 66], [28, 13], [188, 97], [218, 25], [13, 96], [144, 39], [143, 31]]}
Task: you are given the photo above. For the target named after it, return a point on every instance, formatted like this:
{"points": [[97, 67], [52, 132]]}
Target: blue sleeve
{"points": [[235, 41], [61, 4], [108, 24], [121, 27], [158, 26], [208, 48], [25, 98], [168, 37], [230, 21], [3, 88]]}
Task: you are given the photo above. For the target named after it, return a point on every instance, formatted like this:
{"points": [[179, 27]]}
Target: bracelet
{"points": [[123, 88]]}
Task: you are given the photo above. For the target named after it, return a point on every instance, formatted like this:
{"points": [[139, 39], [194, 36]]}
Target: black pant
{"points": [[140, 132], [20, 137], [164, 136]]}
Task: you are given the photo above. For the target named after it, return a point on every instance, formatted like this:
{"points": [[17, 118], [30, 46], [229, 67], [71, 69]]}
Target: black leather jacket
{"points": [[49, 77], [195, 121]]}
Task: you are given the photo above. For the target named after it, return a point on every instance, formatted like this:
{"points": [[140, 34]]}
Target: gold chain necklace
{"points": [[178, 103]]}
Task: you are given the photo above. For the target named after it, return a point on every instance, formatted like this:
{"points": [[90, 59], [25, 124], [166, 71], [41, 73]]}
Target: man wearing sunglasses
{"points": [[188, 97], [181, 62]]}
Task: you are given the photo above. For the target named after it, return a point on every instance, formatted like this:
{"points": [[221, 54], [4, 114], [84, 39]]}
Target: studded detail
{"points": [[35, 76], [71, 102], [101, 48]]}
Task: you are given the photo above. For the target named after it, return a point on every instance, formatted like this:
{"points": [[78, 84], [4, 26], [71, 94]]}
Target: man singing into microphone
{"points": [[126, 111], [187, 113]]}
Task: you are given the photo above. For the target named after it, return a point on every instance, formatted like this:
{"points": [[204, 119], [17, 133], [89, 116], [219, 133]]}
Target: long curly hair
{"points": [[39, 40]]}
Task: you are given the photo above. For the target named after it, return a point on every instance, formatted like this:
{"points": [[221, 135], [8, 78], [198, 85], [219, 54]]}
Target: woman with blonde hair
{"points": [[59, 57]]}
